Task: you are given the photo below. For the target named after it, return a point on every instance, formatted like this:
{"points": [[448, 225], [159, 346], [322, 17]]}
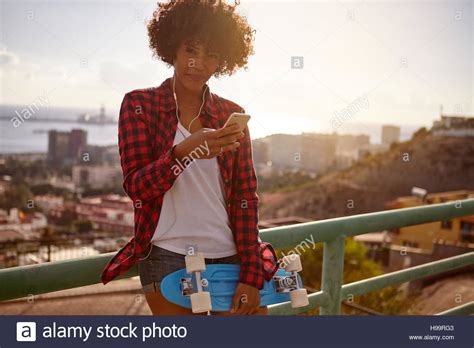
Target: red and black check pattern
{"points": [[147, 126]]}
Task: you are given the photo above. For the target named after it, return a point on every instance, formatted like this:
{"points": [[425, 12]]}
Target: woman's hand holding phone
{"points": [[207, 142]]}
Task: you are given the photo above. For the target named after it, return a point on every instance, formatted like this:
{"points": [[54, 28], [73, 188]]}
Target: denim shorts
{"points": [[157, 262]]}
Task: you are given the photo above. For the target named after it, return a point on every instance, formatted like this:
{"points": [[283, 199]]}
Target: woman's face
{"points": [[194, 65]]}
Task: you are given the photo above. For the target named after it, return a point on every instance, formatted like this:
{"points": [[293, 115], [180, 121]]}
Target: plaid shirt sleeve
{"points": [[244, 203], [144, 176]]}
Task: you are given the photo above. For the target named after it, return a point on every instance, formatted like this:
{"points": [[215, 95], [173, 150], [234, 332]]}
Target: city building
{"points": [[65, 148], [113, 213], [48, 202], [348, 148], [261, 151], [29, 226], [94, 154], [318, 152], [421, 236], [455, 126], [390, 135], [285, 151], [96, 176]]}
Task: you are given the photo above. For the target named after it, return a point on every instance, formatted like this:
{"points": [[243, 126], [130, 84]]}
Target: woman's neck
{"points": [[188, 97]]}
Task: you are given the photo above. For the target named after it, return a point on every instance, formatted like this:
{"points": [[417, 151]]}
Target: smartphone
{"points": [[239, 118]]}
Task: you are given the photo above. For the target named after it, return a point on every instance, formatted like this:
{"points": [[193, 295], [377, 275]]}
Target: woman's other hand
{"points": [[246, 300]]}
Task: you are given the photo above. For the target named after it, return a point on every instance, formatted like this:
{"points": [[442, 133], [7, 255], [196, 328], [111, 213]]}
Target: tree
{"points": [[420, 133], [16, 196]]}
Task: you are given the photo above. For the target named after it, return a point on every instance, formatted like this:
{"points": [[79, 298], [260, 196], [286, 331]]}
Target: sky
{"points": [[390, 62]]}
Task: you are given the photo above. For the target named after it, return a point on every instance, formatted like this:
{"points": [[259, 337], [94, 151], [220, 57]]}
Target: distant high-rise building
{"points": [[348, 146], [66, 147], [77, 143], [261, 151], [318, 151], [390, 134], [285, 151]]}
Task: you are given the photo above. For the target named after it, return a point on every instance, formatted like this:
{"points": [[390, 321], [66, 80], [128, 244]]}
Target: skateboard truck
{"points": [[285, 283], [200, 300], [298, 295]]}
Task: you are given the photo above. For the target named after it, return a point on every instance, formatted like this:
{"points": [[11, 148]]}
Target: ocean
{"points": [[31, 134]]}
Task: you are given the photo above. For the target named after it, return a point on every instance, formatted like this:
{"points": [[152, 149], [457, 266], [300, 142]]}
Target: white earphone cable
{"points": [[176, 102]]}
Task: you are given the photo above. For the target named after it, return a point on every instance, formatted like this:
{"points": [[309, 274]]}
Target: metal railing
{"points": [[25, 281]]}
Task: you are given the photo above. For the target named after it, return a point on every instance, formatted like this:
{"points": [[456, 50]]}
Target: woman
{"points": [[192, 181]]}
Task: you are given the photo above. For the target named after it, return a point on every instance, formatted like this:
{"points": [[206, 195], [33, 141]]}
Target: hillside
{"points": [[436, 298], [433, 163]]}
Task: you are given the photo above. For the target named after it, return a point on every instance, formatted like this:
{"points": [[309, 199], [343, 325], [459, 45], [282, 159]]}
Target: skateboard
{"points": [[205, 288]]}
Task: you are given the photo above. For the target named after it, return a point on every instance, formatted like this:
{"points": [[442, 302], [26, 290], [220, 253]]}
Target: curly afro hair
{"points": [[214, 23]]}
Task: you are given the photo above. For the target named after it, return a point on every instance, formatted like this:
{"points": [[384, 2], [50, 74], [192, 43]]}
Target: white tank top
{"points": [[194, 211]]}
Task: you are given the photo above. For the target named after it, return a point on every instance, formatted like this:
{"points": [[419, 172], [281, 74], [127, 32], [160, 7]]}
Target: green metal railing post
{"points": [[333, 268]]}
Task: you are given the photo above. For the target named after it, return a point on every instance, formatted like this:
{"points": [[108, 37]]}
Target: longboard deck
{"points": [[222, 281]]}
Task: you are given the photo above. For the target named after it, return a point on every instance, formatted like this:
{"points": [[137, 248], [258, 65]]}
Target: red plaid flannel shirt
{"points": [[147, 126]]}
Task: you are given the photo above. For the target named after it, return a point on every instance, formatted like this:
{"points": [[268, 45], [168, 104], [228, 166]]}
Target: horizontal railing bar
{"points": [[379, 282], [365, 286], [465, 309], [48, 277], [325, 230]]}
